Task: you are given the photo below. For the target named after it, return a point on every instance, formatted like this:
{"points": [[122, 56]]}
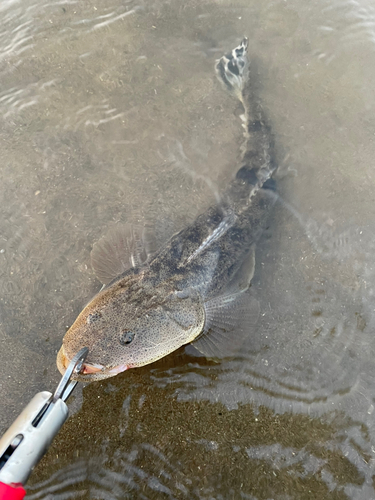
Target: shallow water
{"points": [[111, 112]]}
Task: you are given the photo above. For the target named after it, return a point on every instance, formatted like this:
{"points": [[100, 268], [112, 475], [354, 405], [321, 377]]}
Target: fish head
{"points": [[131, 325]]}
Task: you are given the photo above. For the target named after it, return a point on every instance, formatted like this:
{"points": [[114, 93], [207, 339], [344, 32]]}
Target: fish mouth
{"points": [[89, 371], [90, 368]]}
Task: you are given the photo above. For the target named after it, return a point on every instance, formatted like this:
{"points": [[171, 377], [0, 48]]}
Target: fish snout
{"points": [[63, 363], [88, 368]]}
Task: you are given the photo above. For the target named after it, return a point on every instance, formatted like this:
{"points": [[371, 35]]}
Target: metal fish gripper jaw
{"points": [[28, 438]]}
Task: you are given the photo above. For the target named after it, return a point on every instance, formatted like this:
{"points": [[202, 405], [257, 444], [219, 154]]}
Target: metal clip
{"points": [[66, 385], [30, 435]]}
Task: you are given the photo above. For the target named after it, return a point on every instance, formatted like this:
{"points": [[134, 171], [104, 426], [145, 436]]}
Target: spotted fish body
{"points": [[194, 289]]}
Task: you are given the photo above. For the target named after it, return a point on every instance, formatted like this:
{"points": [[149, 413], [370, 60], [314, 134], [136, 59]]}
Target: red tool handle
{"points": [[11, 491]]}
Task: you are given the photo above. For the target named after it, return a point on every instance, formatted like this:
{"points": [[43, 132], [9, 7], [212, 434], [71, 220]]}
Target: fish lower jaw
{"points": [[118, 369], [94, 370], [88, 368]]}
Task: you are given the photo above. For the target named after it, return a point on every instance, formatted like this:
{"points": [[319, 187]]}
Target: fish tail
{"points": [[233, 68], [257, 165]]}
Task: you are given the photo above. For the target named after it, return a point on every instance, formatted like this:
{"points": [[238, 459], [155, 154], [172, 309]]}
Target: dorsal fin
{"points": [[120, 249]]}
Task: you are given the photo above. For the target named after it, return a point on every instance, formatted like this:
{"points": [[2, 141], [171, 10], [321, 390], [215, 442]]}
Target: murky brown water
{"points": [[110, 112]]}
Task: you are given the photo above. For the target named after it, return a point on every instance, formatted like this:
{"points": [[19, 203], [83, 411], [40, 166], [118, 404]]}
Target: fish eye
{"points": [[126, 337]]}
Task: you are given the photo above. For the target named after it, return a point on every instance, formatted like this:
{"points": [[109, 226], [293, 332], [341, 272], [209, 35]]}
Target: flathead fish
{"points": [[196, 288]]}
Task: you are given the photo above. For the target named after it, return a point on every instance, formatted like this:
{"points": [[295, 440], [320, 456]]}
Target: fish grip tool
{"points": [[28, 438]]}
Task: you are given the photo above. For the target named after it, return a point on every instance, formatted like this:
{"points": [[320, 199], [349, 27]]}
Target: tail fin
{"points": [[232, 69], [257, 164]]}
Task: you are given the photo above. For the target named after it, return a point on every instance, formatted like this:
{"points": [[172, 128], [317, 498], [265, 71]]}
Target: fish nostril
{"points": [[92, 317]]}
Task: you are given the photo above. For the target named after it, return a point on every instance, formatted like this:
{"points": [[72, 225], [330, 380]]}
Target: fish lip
{"points": [[97, 372], [118, 369], [91, 368], [90, 371]]}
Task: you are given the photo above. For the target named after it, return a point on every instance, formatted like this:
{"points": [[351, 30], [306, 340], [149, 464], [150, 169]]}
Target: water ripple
{"points": [[350, 23], [93, 479]]}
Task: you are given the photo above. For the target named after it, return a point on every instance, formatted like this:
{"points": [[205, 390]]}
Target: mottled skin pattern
{"points": [[160, 304]]}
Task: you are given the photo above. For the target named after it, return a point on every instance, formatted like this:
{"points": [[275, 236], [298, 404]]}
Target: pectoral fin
{"points": [[120, 249], [228, 322], [242, 278]]}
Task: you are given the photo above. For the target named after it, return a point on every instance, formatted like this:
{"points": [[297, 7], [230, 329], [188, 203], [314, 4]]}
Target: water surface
{"points": [[111, 112]]}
